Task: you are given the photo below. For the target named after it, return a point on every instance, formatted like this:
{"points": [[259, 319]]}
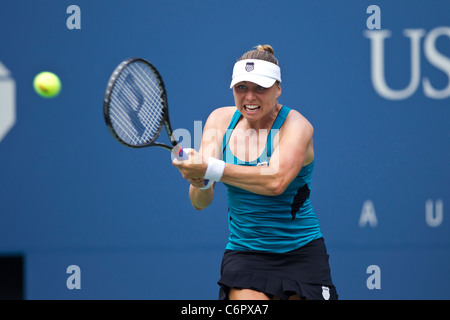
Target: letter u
{"points": [[377, 63]]}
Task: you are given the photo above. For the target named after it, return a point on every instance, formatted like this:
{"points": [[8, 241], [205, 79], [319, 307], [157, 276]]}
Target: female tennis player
{"points": [[263, 152]]}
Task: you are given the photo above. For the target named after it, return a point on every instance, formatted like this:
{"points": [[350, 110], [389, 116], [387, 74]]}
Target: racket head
{"points": [[135, 104]]}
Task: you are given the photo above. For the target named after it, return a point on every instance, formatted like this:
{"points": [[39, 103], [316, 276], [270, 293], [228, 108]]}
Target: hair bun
{"points": [[261, 52], [265, 47]]}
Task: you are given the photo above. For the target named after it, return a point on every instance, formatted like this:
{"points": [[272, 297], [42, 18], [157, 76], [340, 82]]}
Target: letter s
{"points": [[439, 61]]}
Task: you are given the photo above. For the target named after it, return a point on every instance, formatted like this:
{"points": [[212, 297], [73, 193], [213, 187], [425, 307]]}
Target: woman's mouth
{"points": [[251, 108]]}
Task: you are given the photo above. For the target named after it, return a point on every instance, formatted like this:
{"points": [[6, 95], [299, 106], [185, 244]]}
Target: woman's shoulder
{"points": [[296, 119], [224, 111], [221, 117]]}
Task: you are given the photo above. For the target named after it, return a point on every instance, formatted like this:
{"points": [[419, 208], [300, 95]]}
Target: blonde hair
{"points": [[262, 52]]}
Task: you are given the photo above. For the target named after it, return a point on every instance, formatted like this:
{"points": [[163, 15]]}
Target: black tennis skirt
{"points": [[304, 272]]}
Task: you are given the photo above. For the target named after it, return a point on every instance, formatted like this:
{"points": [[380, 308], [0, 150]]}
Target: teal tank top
{"points": [[279, 223]]}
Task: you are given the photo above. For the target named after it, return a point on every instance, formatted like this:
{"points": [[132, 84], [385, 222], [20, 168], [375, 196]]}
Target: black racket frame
{"points": [[165, 121]]}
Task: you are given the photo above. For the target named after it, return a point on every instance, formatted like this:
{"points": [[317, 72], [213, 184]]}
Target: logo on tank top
{"points": [[262, 164]]}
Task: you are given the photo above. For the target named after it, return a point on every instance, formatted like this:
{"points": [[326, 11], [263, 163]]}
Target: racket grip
{"points": [[208, 184], [179, 153]]}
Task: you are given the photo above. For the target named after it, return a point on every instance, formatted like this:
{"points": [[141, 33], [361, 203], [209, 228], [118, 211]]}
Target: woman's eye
{"points": [[242, 87], [260, 89]]}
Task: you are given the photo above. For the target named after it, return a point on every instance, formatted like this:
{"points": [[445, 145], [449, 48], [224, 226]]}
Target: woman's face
{"points": [[253, 101]]}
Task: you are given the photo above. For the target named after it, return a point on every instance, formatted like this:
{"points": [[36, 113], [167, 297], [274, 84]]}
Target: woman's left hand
{"points": [[193, 169]]}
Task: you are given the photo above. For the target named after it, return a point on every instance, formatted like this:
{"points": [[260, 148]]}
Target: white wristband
{"points": [[215, 169]]}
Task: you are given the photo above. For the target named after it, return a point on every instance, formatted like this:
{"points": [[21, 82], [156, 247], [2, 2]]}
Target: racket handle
{"points": [[179, 153], [208, 184]]}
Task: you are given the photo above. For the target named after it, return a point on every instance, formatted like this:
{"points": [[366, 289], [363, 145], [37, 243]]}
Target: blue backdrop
{"points": [[71, 195]]}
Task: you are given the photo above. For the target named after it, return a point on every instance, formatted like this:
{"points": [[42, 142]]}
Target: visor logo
{"points": [[250, 66]]}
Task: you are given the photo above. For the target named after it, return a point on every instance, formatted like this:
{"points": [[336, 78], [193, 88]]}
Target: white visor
{"points": [[261, 72]]}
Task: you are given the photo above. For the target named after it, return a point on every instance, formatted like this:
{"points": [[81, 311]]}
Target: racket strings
{"points": [[137, 107], [154, 95], [140, 115]]}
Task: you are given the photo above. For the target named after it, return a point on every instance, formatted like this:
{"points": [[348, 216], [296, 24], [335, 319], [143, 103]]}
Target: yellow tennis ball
{"points": [[47, 84]]}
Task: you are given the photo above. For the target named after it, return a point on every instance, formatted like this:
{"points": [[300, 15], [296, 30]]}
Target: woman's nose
{"points": [[250, 96]]}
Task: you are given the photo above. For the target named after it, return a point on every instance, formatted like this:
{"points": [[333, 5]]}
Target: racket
{"points": [[135, 107]]}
